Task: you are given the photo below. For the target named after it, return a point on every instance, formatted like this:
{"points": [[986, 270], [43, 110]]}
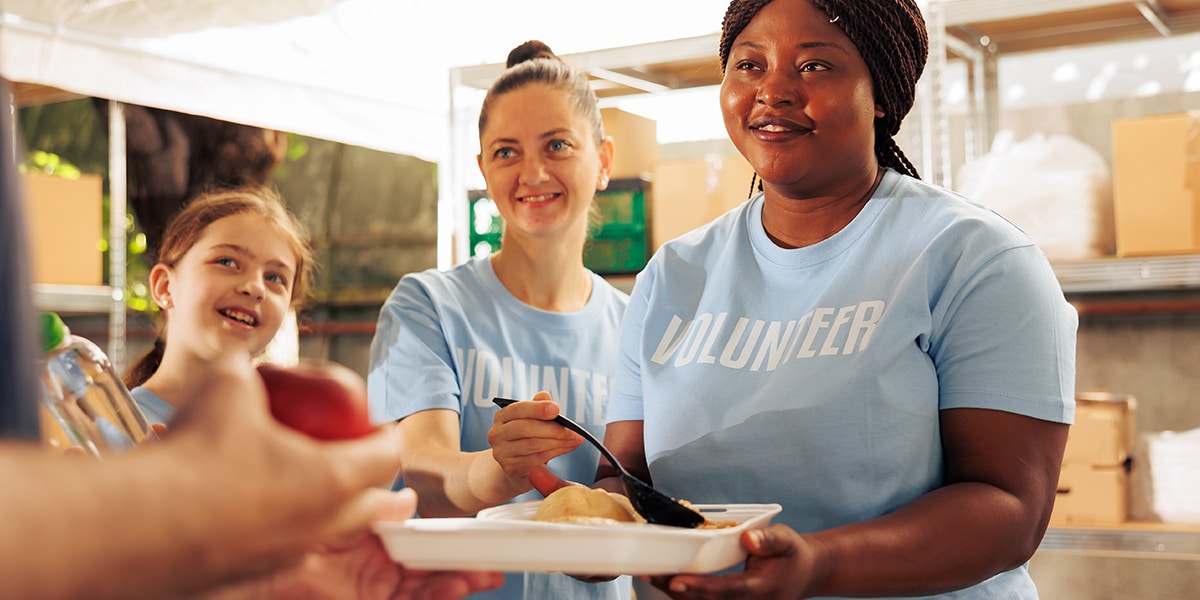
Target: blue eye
{"points": [[226, 262], [277, 279], [556, 146], [504, 153]]}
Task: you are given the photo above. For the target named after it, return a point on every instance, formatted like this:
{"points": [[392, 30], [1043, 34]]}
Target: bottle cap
{"points": [[54, 331]]}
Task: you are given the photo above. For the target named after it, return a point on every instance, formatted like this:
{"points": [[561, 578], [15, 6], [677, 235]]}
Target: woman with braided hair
{"points": [[889, 361]]}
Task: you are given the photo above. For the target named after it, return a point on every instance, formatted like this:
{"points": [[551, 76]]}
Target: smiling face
{"points": [[542, 163], [797, 100], [230, 290]]}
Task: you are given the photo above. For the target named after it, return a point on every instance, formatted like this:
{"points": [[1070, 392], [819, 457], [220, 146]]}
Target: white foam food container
{"points": [[506, 538]]}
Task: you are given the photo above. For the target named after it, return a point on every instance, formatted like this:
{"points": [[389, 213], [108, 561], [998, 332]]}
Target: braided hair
{"points": [[892, 39]]}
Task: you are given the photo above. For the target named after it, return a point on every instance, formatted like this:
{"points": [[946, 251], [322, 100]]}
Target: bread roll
{"points": [[579, 504]]}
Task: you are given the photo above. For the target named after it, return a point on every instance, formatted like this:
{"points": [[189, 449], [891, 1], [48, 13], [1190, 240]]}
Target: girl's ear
{"points": [[160, 286]]}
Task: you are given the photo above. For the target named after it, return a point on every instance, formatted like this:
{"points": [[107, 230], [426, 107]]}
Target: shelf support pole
{"points": [[117, 186], [985, 99], [935, 148]]}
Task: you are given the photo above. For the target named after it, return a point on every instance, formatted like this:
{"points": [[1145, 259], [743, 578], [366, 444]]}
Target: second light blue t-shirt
{"points": [[814, 377]]}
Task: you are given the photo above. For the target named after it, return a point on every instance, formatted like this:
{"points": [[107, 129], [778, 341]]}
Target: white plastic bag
{"points": [[1165, 482], [1056, 188]]}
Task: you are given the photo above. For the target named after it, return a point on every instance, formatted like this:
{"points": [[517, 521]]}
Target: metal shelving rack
{"points": [[102, 299], [1151, 540], [1140, 274], [978, 32]]}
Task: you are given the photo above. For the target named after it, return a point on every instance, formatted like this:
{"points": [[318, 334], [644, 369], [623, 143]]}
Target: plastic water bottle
{"points": [[83, 393]]}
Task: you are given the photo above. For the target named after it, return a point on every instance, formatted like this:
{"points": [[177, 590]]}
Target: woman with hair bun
{"points": [[889, 361], [529, 321]]}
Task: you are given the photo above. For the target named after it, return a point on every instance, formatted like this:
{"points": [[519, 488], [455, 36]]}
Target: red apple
{"points": [[324, 400]]}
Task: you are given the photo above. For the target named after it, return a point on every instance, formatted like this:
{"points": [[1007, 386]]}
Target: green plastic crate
{"points": [[623, 204], [616, 254], [485, 224]]}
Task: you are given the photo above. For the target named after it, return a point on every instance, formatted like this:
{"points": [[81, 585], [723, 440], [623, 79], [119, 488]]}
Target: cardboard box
{"points": [[65, 216], [1088, 494], [1093, 485], [690, 193], [1156, 184], [636, 141], [1103, 432]]}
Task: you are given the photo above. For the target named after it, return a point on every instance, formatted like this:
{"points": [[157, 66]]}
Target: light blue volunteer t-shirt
{"points": [[813, 377], [153, 407], [456, 339]]}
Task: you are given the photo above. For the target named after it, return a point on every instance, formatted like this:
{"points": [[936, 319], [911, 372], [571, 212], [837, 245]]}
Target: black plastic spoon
{"points": [[655, 506]]}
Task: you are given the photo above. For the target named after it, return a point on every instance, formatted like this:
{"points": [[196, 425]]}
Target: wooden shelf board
{"points": [[1141, 540], [1018, 26]]}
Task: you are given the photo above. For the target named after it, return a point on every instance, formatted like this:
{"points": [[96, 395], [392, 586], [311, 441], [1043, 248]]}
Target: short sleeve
{"points": [[411, 364]]}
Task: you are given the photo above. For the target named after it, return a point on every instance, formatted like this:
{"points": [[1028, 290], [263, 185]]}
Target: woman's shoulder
{"points": [[922, 204], [471, 273], [435, 286]]}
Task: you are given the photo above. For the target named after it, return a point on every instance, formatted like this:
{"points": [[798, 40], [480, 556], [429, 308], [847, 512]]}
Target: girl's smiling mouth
{"points": [[243, 317]]}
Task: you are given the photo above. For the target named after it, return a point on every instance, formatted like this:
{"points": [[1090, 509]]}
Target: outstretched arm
{"points": [[228, 496]]}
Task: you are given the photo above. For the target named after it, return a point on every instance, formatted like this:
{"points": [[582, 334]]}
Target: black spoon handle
{"points": [[577, 428]]}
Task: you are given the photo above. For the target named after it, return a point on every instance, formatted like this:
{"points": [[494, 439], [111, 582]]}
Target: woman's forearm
{"points": [[951, 538], [456, 484]]}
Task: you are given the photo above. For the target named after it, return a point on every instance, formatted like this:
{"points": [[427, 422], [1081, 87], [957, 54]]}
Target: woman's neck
{"points": [[800, 222], [549, 278]]}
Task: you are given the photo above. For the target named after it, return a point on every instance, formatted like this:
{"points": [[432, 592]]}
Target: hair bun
{"points": [[529, 51]]}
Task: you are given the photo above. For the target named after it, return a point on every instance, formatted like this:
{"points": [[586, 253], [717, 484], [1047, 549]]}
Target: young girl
{"points": [[230, 266]]}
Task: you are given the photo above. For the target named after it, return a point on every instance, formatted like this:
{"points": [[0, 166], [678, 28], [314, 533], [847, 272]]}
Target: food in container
{"points": [[507, 538]]}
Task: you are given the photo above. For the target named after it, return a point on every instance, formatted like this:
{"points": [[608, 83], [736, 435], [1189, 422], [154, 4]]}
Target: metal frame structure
{"points": [[979, 32], [109, 298]]}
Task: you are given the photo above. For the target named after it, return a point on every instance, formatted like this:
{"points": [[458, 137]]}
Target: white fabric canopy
{"points": [[372, 73]]}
